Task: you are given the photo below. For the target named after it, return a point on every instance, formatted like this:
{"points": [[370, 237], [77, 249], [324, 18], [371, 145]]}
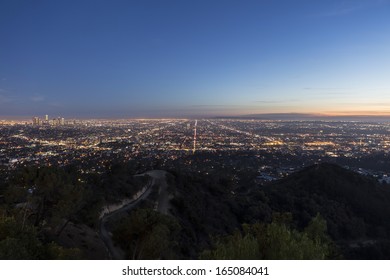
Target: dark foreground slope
{"points": [[210, 215], [356, 208]]}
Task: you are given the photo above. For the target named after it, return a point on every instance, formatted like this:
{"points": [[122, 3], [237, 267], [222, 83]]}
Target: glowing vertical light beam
{"points": [[193, 150]]}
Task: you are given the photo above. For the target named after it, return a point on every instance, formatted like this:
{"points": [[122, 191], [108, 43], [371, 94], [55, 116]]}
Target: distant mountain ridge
{"points": [[309, 117]]}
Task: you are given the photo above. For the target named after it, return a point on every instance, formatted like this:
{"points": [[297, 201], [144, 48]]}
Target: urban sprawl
{"points": [[272, 148]]}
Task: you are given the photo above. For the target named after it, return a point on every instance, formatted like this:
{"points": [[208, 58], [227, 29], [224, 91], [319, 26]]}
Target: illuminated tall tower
{"points": [[36, 120], [46, 117]]}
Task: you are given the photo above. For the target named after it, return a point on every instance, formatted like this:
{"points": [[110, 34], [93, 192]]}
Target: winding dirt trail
{"points": [[157, 179]]}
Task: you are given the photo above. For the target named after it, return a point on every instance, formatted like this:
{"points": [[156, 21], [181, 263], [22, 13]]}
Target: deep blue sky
{"points": [[149, 58]]}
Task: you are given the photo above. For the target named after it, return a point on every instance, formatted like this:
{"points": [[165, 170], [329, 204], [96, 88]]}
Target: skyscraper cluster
{"points": [[55, 121]]}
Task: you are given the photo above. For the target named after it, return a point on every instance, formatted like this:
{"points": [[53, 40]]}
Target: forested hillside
{"points": [[321, 212]]}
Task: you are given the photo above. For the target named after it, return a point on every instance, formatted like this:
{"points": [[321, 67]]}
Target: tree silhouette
{"points": [[274, 241]]}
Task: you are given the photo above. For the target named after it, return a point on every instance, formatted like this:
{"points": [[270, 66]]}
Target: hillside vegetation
{"points": [[321, 212]]}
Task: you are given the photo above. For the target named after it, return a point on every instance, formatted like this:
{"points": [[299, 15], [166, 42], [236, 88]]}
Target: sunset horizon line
{"points": [[271, 115]]}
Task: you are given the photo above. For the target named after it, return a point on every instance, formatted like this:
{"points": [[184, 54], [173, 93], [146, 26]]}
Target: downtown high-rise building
{"points": [[36, 121]]}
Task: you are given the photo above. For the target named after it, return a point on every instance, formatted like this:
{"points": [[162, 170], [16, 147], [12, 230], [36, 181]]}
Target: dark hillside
{"points": [[356, 208], [204, 206]]}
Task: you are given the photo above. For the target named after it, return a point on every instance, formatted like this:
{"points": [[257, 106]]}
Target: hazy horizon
{"points": [[261, 117]]}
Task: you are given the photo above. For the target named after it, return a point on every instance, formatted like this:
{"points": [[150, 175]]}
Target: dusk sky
{"points": [[179, 58]]}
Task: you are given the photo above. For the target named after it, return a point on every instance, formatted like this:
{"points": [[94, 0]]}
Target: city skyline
{"points": [[128, 59]]}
